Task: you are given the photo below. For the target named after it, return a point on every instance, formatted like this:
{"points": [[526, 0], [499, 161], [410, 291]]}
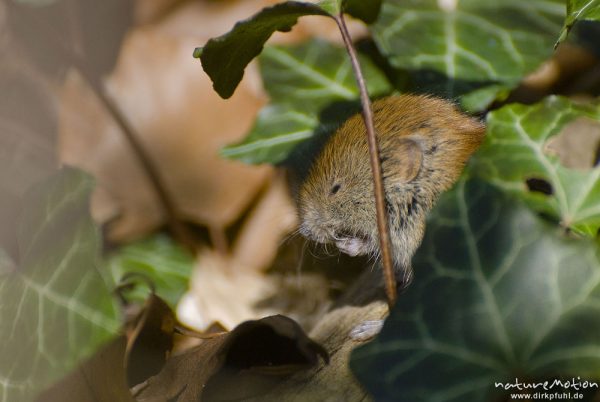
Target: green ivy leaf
{"points": [[478, 41], [302, 80], [313, 74], [480, 99], [56, 306], [225, 58], [515, 150], [368, 11], [497, 295], [159, 259], [333, 7], [579, 10], [277, 131]]}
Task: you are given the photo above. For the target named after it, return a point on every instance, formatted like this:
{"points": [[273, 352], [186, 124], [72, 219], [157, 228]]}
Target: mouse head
{"points": [[336, 201]]}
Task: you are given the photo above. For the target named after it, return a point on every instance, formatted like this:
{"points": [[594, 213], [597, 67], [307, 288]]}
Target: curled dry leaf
{"points": [[227, 288], [223, 290], [149, 340], [364, 301], [182, 124], [248, 361]]}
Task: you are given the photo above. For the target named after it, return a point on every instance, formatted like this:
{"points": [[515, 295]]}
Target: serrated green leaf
{"points": [[579, 10], [302, 80], [225, 58], [159, 259], [497, 295], [56, 306], [477, 41], [515, 150]]}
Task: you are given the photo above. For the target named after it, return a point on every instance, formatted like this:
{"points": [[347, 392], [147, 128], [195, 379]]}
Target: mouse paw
{"points": [[352, 246], [366, 330]]}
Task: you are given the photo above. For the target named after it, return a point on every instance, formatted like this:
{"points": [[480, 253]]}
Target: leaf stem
{"points": [[367, 113]]}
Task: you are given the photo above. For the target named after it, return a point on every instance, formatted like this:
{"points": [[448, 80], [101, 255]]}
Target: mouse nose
{"points": [[312, 226]]}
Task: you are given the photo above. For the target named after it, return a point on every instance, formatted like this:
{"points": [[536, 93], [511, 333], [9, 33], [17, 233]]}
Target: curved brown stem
{"points": [[367, 113]]}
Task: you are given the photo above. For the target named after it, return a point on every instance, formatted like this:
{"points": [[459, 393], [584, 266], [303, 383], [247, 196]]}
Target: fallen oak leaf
{"points": [[180, 140], [246, 362]]}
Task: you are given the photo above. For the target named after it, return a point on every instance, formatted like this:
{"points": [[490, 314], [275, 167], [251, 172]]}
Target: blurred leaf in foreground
{"points": [[516, 156], [579, 10], [161, 260], [301, 80], [497, 295], [56, 306]]}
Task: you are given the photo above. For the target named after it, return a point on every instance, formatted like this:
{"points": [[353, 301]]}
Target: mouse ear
{"points": [[402, 162]]}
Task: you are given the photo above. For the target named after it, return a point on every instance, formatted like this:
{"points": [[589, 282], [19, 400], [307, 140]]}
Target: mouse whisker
{"points": [[301, 263], [289, 237]]}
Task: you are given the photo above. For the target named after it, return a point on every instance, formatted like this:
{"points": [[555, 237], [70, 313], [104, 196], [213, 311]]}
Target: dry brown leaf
{"points": [[246, 362], [182, 124], [222, 290], [204, 19], [272, 218], [335, 382], [199, 373], [149, 340], [568, 61], [149, 11], [577, 145]]}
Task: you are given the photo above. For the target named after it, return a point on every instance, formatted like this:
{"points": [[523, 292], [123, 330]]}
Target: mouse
{"points": [[424, 144]]}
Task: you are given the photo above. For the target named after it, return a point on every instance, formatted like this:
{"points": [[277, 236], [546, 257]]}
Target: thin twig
{"points": [[367, 113]]}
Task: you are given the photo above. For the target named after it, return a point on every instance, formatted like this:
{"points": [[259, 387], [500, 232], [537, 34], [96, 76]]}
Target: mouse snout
{"points": [[316, 233], [313, 226]]}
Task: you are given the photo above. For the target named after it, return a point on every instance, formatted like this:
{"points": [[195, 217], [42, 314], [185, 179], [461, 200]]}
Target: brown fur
{"points": [[424, 142]]}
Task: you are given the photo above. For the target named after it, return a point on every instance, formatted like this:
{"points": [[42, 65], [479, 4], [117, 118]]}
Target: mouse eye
{"points": [[335, 188]]}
